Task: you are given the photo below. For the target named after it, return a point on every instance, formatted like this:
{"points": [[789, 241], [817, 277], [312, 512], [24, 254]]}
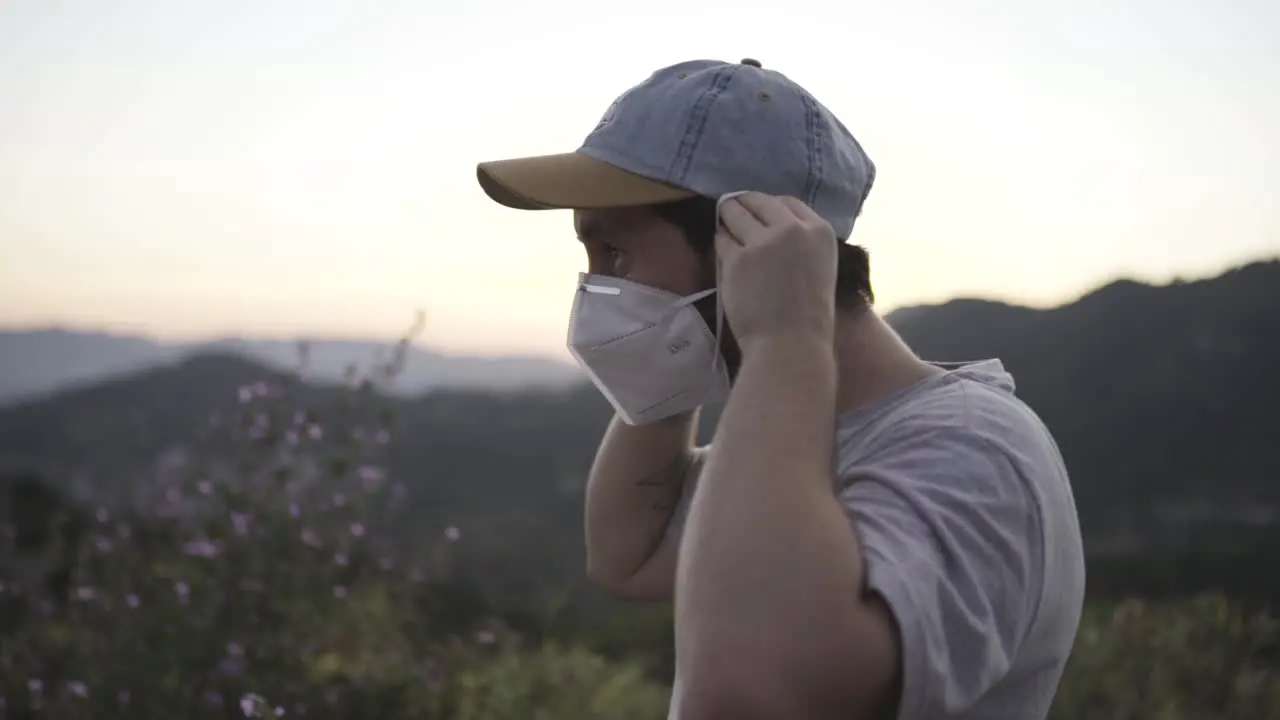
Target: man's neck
{"points": [[872, 361]]}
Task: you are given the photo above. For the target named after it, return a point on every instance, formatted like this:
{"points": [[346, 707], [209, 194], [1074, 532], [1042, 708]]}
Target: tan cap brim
{"points": [[570, 181]]}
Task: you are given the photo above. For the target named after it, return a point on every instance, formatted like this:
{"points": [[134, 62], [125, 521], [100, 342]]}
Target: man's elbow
{"points": [[608, 579], [769, 701], [713, 695], [719, 689], [703, 701], [634, 585]]}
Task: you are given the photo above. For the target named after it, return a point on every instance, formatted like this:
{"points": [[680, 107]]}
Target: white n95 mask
{"points": [[648, 351]]}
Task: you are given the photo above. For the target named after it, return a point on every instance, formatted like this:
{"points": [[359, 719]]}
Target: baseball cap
{"points": [[702, 127]]}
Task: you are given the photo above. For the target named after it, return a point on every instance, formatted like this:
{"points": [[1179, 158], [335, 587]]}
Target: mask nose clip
{"points": [[600, 289]]}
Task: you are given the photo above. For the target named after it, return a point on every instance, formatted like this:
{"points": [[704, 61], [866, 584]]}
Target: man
{"points": [[869, 535]]}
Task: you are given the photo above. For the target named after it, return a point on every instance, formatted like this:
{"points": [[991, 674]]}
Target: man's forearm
{"points": [[769, 568], [634, 487]]}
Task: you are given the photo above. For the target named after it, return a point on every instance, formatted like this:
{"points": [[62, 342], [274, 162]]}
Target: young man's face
{"points": [[635, 244]]}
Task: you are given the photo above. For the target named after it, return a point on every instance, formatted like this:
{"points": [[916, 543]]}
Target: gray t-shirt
{"points": [[967, 522]]}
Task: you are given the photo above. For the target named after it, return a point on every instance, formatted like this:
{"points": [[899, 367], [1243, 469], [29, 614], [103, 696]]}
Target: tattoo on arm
{"points": [[670, 480]]}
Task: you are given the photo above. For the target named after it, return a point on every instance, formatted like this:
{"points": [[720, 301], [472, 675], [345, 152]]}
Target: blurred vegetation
{"points": [[216, 540], [270, 586]]}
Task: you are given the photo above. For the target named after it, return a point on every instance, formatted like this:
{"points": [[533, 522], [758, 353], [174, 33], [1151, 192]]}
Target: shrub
{"points": [[1205, 657]]}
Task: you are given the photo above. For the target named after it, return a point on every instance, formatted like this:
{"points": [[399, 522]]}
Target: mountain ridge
{"points": [[42, 361]]}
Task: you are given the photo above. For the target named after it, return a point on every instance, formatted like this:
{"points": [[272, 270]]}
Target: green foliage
{"points": [[553, 683], [1187, 660]]}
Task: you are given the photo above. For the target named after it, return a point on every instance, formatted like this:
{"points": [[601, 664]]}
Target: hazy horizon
{"points": [[283, 169], [555, 353]]}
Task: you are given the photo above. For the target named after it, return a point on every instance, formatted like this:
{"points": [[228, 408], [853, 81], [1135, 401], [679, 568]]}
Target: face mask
{"points": [[647, 350]]}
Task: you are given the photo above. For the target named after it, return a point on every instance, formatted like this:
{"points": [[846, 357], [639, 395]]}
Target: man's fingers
{"points": [[768, 209], [738, 220], [800, 209], [748, 215], [726, 243]]}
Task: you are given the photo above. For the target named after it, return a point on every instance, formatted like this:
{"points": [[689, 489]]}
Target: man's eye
{"points": [[607, 259], [614, 256]]}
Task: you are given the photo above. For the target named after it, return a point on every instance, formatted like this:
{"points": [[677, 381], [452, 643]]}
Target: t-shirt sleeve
{"points": [[950, 535]]}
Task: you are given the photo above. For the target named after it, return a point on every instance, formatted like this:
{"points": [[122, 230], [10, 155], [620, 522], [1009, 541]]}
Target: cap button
{"points": [[753, 63]]}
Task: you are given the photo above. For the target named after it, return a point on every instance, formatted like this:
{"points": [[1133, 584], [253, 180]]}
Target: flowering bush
{"points": [[254, 575]]}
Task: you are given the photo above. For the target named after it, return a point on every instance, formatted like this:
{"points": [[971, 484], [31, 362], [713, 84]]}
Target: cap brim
{"points": [[570, 181]]}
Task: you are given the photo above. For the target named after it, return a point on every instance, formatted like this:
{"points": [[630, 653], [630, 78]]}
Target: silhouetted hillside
{"points": [[1162, 399], [40, 362], [119, 426]]}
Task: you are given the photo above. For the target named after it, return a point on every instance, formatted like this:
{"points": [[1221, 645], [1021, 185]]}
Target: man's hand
{"points": [[777, 269]]}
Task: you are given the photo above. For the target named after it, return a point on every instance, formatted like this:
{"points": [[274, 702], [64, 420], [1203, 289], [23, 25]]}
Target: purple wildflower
{"points": [[240, 521], [371, 473], [201, 548], [249, 703]]}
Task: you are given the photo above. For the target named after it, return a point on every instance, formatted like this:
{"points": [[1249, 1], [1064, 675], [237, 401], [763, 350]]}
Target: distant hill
{"points": [[37, 363], [1162, 398]]}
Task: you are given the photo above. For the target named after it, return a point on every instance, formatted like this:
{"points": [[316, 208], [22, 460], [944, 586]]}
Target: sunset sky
{"points": [[282, 167]]}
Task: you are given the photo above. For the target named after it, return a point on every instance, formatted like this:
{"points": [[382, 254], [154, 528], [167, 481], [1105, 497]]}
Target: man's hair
{"points": [[697, 218]]}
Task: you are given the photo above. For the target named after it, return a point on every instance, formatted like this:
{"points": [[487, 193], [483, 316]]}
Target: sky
{"points": [[307, 167]]}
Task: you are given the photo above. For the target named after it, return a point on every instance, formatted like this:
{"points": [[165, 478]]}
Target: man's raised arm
{"points": [[632, 493]]}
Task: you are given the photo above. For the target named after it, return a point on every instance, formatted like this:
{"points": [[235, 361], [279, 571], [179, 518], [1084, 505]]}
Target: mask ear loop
{"points": [[719, 354], [720, 314]]}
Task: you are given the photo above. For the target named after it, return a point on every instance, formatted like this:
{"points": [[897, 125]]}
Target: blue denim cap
{"points": [[702, 127]]}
